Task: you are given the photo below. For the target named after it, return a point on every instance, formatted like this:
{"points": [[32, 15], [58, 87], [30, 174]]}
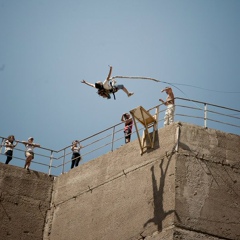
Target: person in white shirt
{"points": [[9, 146], [29, 151], [170, 103], [76, 157]]}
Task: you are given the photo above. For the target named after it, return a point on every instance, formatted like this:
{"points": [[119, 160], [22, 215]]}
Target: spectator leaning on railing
{"points": [[9, 146], [29, 151], [169, 113], [76, 157], [128, 126]]}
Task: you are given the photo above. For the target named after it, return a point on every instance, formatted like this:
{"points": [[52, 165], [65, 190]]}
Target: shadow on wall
{"points": [[159, 213], [156, 142]]}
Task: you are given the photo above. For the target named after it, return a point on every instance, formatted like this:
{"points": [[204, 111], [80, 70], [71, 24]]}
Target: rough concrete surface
{"points": [[187, 187], [120, 196], [208, 183], [24, 201], [174, 233]]}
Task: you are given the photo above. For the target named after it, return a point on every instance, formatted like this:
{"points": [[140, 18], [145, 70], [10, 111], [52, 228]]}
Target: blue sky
{"points": [[48, 46]]}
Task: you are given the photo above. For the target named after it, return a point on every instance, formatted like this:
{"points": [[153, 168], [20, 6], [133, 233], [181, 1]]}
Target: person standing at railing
{"points": [[170, 103], [76, 156], [29, 154], [9, 146], [126, 118]]}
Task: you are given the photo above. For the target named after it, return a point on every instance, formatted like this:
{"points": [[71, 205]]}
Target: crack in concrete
{"points": [[47, 227]]}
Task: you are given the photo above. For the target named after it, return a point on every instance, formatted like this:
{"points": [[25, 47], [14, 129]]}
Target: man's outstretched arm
{"points": [[89, 84], [110, 73]]}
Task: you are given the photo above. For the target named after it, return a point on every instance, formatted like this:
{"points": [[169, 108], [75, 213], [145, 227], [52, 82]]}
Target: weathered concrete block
{"points": [[207, 185], [24, 201], [119, 195], [163, 194], [207, 197]]}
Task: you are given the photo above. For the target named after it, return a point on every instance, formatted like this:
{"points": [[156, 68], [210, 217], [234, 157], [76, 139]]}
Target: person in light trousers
{"points": [[170, 103]]}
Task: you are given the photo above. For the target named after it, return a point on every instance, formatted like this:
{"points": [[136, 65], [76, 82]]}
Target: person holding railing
{"points": [[126, 118], [9, 146], [29, 151], [170, 103], [76, 157]]}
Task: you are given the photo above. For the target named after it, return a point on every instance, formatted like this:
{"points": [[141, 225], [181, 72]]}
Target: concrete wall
{"points": [[208, 182], [24, 200], [116, 196], [190, 194], [193, 193]]}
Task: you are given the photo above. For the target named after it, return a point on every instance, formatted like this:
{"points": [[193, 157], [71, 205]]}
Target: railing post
{"points": [[205, 115], [156, 117], [113, 137], [50, 163], [2, 143], [63, 164]]}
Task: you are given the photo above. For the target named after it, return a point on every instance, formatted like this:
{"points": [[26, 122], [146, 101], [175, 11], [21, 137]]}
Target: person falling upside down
{"points": [[107, 87]]}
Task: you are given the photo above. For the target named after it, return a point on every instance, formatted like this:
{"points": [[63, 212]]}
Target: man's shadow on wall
{"points": [[159, 213]]}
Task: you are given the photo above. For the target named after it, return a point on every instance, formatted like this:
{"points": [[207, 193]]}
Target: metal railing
{"points": [[210, 115], [56, 162]]}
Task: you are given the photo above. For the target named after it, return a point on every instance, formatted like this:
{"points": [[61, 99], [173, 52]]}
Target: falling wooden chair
{"points": [[147, 120]]}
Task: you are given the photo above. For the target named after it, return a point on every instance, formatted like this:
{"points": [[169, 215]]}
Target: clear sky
{"points": [[48, 46]]}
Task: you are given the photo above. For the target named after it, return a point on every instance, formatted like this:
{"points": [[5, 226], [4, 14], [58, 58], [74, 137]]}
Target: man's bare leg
{"points": [[127, 92]]}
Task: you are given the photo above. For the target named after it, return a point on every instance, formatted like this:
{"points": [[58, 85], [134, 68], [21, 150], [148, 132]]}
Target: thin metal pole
{"points": [[2, 143], [113, 132], [50, 164], [177, 137], [205, 115], [63, 165], [156, 117]]}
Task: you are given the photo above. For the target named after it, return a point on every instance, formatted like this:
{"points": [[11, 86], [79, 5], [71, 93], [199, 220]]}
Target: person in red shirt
{"points": [[126, 118]]}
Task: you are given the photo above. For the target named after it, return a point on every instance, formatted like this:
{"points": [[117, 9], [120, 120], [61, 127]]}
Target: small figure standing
{"points": [[9, 146], [29, 154], [170, 103], [128, 126], [107, 87], [76, 157]]}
